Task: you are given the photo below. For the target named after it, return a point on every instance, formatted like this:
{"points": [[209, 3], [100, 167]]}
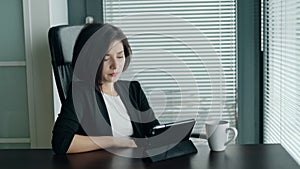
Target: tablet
{"points": [[182, 129]]}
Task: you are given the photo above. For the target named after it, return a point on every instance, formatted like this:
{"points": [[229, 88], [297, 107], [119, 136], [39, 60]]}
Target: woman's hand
{"points": [[123, 142], [88, 143]]}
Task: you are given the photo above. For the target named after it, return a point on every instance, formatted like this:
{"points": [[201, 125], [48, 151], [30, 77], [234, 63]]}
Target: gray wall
{"points": [[13, 94], [249, 72], [26, 102], [79, 9]]}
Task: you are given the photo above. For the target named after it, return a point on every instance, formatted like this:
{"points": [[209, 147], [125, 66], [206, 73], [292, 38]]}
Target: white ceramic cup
{"points": [[217, 133]]}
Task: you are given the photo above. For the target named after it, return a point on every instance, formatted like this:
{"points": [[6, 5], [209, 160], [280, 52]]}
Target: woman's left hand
{"points": [[124, 142]]}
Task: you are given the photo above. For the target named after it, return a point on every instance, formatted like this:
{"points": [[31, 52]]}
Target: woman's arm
{"points": [[148, 115], [89, 143]]}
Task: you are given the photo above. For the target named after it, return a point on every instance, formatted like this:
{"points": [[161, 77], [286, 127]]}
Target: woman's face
{"points": [[113, 63]]}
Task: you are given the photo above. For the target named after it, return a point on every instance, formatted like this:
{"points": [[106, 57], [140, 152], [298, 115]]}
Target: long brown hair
{"points": [[107, 34]]}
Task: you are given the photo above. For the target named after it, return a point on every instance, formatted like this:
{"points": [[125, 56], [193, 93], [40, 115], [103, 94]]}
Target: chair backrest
{"points": [[61, 41]]}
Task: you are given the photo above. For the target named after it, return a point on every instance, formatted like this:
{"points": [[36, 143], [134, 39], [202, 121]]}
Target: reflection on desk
{"points": [[235, 157]]}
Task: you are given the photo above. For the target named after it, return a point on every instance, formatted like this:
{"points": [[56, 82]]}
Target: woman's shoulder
{"points": [[80, 89], [82, 86]]}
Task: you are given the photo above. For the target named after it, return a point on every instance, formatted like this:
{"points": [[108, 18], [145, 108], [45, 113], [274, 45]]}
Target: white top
{"points": [[119, 118]]}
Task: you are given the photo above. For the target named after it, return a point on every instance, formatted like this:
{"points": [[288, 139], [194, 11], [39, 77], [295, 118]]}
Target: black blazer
{"points": [[84, 112]]}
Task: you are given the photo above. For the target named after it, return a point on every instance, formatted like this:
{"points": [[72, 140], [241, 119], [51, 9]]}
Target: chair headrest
{"points": [[63, 38]]}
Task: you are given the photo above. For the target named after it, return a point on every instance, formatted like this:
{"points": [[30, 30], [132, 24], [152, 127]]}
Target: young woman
{"points": [[101, 111]]}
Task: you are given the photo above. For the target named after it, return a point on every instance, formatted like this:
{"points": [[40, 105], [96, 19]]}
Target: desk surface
{"points": [[235, 157]]}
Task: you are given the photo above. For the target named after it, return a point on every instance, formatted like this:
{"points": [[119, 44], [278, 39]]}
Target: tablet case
{"points": [[182, 148], [158, 149]]}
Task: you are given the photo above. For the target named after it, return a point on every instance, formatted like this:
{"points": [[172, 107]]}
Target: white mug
{"points": [[217, 134]]}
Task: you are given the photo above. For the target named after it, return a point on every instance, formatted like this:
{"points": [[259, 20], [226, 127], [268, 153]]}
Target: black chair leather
{"points": [[61, 41]]}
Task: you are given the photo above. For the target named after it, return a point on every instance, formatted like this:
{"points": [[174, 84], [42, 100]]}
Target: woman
{"points": [[101, 111]]}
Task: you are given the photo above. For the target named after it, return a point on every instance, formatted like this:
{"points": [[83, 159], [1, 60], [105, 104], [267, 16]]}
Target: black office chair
{"points": [[61, 41]]}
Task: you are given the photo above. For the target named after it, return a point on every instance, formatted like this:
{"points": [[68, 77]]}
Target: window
{"points": [[184, 55], [282, 74]]}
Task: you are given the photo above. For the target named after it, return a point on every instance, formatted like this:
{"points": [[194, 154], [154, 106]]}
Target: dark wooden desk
{"points": [[235, 157]]}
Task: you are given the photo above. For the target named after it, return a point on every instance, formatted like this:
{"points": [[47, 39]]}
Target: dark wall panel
{"points": [[79, 9]]}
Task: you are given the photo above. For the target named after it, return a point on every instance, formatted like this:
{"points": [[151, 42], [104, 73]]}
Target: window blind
{"points": [[282, 74], [184, 55]]}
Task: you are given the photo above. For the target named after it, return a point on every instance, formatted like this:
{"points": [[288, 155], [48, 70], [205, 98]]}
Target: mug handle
{"points": [[235, 133]]}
